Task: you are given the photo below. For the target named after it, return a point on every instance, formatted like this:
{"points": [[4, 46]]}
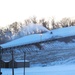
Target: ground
{"points": [[50, 70]]}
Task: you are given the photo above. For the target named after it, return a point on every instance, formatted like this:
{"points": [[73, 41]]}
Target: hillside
{"points": [[58, 48], [47, 35]]}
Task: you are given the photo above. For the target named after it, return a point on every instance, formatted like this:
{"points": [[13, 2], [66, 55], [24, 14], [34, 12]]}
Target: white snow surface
{"points": [[67, 69], [56, 33], [27, 40], [50, 70]]}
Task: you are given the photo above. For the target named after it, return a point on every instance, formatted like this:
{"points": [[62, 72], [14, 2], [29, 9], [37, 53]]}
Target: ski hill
{"points": [[47, 35], [58, 47]]}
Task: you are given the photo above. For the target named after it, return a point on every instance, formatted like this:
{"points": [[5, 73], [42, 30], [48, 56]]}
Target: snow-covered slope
{"points": [[51, 70], [27, 40], [49, 35], [54, 52], [64, 32]]}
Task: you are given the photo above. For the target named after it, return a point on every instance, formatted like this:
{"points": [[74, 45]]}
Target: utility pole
{"points": [[12, 63], [0, 60], [24, 61]]}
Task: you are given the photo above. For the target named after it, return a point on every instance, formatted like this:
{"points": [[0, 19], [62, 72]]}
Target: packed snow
{"points": [[67, 55], [56, 33], [50, 70], [64, 32], [27, 40]]}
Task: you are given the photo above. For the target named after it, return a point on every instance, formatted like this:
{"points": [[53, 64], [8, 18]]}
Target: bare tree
{"points": [[53, 23], [65, 22], [33, 20]]}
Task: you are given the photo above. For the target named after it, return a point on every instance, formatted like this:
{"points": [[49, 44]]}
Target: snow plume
{"points": [[33, 29], [30, 29]]}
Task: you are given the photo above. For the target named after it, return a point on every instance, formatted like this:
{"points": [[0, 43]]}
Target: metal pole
{"points": [[24, 61], [12, 63]]}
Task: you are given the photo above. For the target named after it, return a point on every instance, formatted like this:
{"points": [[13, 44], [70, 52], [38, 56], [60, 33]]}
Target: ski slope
{"points": [[66, 55], [50, 70], [35, 38]]}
